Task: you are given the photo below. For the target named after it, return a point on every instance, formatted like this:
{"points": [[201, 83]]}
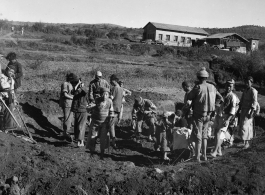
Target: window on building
{"points": [[182, 40], [160, 36], [168, 37], [176, 38], [188, 40]]}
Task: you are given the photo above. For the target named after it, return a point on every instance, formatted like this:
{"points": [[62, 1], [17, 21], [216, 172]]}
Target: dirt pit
{"points": [[54, 166]]}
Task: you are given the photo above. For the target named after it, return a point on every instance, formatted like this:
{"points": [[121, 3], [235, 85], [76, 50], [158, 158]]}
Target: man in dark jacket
{"points": [[79, 106], [15, 65]]}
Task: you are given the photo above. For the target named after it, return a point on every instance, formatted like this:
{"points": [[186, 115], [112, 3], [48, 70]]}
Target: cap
{"points": [[230, 81], [249, 78], [104, 89], [99, 74], [186, 83], [178, 112], [114, 77], [11, 56], [182, 122], [138, 100], [165, 114], [203, 73], [73, 78]]}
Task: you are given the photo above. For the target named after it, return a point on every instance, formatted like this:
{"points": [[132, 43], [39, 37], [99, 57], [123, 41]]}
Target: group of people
{"points": [[10, 81], [219, 112], [101, 108], [204, 108]]}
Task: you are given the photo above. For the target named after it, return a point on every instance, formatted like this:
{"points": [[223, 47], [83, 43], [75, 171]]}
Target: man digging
{"points": [[144, 110]]}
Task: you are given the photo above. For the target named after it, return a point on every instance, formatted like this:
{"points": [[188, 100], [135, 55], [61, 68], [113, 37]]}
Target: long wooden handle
{"points": [[10, 112], [30, 136]]}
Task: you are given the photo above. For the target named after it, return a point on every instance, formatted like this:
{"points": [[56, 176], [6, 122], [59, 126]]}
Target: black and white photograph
{"points": [[142, 97]]}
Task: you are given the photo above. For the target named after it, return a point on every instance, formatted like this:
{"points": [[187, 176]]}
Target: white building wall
{"points": [[179, 34]]}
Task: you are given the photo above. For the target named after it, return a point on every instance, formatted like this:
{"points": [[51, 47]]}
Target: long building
{"points": [[175, 35]]}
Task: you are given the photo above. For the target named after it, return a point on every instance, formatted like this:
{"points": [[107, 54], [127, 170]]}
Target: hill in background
{"points": [[247, 31]]}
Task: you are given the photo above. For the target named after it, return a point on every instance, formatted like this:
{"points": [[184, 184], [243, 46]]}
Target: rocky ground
{"points": [[54, 166]]}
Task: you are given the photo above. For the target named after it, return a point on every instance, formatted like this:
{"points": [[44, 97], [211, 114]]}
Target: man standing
{"points": [[247, 106], [144, 110], [186, 109], [79, 108], [16, 66], [227, 111], [203, 97], [66, 99], [116, 95], [101, 116], [8, 97], [95, 85]]}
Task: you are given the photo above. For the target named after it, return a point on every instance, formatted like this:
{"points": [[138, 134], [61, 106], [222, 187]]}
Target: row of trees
{"points": [[242, 66]]}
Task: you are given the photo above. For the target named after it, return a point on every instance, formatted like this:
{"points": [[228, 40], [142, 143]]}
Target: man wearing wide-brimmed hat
{"points": [[144, 110], [203, 97], [228, 109], [247, 106]]}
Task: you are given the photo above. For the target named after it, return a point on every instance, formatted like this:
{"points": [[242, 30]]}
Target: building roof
{"points": [[178, 28], [223, 35]]}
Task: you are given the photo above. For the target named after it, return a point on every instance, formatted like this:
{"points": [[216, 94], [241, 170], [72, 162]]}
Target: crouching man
{"points": [[102, 115], [224, 116], [144, 110]]}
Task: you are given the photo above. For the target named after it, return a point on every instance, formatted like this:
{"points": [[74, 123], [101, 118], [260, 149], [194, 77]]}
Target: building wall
{"points": [[179, 41], [149, 32]]}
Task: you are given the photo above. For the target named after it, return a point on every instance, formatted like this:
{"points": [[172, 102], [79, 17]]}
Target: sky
{"points": [[137, 13]]}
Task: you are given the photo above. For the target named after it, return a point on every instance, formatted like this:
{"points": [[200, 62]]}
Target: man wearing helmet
{"points": [[203, 97], [95, 85]]}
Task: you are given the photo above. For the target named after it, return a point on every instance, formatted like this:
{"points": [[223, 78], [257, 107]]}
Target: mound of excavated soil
{"points": [[54, 166]]}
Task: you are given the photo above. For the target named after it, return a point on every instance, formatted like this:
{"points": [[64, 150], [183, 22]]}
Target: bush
{"points": [[38, 26], [113, 35], [164, 50], [50, 29], [141, 49], [124, 35]]}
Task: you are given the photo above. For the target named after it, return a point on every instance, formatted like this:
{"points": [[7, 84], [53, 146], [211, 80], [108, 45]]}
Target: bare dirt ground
{"points": [[54, 166]]}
